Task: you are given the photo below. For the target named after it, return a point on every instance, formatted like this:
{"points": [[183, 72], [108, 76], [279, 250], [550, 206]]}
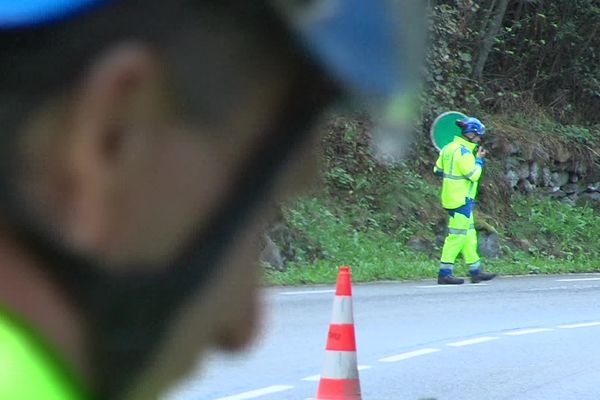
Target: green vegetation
{"points": [[558, 231], [529, 70], [373, 251], [506, 56], [543, 237]]}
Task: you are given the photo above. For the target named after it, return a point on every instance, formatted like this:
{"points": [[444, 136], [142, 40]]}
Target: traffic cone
{"points": [[339, 380]]}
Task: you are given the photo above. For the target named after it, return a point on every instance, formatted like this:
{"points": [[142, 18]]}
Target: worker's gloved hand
{"points": [[481, 152]]}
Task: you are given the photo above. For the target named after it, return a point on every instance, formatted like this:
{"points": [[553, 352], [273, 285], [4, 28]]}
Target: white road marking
{"points": [[550, 288], [582, 325], [307, 292], [316, 378], [452, 286], [472, 341], [577, 279], [257, 393], [520, 332], [410, 354]]}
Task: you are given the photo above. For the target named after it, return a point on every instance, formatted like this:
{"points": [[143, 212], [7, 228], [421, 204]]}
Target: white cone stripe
{"points": [[342, 310], [315, 378], [340, 365]]}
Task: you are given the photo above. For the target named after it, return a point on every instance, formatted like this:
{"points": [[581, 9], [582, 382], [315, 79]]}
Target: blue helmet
{"points": [[18, 14], [471, 125], [359, 42]]}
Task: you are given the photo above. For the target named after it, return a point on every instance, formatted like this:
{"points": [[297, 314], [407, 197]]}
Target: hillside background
{"points": [[530, 70]]}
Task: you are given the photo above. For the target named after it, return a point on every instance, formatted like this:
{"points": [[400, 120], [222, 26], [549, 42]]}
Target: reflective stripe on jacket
{"points": [[461, 172]]}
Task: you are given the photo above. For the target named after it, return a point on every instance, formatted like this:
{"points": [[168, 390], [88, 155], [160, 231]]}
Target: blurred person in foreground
{"points": [[142, 143]]}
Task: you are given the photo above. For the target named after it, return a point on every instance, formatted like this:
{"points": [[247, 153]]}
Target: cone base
{"points": [[339, 389]]}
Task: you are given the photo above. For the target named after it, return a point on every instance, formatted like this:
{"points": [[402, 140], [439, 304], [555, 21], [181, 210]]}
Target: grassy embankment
{"points": [[368, 214]]}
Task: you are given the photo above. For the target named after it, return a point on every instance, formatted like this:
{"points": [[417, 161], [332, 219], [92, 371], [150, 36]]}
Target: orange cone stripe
{"points": [[341, 337], [344, 283], [343, 389]]}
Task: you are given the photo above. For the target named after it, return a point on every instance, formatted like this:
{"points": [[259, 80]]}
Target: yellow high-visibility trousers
{"points": [[462, 238]]}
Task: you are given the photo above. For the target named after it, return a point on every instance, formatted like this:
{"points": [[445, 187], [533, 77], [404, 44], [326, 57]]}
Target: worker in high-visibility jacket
{"points": [[461, 171]]}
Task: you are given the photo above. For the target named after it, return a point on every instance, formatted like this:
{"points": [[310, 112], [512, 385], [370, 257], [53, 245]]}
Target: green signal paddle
{"points": [[444, 128]]}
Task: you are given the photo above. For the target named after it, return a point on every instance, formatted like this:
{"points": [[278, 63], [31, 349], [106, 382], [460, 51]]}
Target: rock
{"points": [[574, 178], [534, 173], [574, 196], [560, 178], [557, 194], [581, 169], [595, 196], [570, 188], [570, 200], [421, 244], [511, 163], [526, 186], [513, 148], [523, 171], [512, 178], [285, 240], [593, 175], [271, 255], [546, 177], [592, 198], [489, 244], [592, 187]]}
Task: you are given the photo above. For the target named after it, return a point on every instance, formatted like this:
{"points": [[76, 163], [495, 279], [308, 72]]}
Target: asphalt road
{"points": [[514, 338]]}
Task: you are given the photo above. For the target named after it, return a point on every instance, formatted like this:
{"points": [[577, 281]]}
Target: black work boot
{"points": [[481, 276], [449, 280]]}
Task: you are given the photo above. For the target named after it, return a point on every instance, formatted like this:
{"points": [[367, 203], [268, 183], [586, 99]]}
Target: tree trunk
{"points": [[488, 40], [488, 14]]}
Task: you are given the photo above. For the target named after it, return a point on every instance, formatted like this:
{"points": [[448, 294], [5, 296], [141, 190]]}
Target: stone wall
{"points": [[569, 175]]}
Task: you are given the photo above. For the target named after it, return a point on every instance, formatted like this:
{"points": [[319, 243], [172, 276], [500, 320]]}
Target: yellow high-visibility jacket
{"points": [[461, 172], [29, 367]]}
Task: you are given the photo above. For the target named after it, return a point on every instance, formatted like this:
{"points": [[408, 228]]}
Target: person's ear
{"points": [[115, 118]]}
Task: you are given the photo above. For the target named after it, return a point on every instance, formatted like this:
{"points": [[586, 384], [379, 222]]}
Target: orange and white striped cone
{"points": [[339, 380]]}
